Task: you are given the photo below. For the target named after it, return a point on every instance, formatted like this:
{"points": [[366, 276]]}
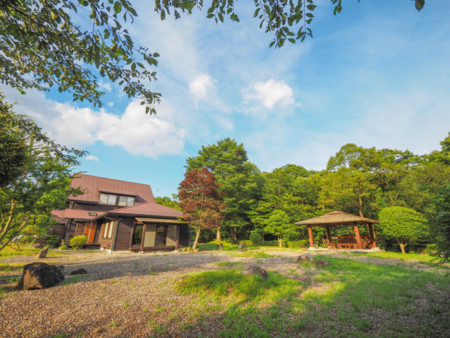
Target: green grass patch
{"points": [[230, 264], [25, 251], [346, 298], [214, 246], [251, 253], [400, 256]]}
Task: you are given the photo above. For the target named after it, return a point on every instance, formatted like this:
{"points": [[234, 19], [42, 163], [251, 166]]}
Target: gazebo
{"points": [[337, 218]]}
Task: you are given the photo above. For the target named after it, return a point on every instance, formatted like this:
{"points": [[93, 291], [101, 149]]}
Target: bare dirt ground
{"points": [[122, 295]]}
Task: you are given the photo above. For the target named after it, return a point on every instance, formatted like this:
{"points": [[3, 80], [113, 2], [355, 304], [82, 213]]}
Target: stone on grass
{"points": [[256, 270], [321, 262], [240, 246], [245, 249], [40, 276], [80, 271], [43, 253], [305, 258]]}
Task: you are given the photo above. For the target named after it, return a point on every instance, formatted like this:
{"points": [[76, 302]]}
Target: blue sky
{"points": [[378, 74]]}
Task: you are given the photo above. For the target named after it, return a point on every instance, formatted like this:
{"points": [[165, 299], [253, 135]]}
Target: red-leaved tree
{"points": [[200, 201]]}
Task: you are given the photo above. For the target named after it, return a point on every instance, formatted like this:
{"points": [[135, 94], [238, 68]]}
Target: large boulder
{"points": [[256, 270], [40, 276], [305, 258]]}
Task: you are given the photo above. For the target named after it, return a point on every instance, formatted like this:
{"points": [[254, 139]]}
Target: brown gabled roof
{"points": [[93, 185], [336, 218], [147, 209]]}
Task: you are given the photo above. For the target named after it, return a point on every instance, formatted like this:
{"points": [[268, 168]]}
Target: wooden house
{"points": [[119, 215]]}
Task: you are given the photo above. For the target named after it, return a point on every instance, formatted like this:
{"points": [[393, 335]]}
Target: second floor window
{"points": [[121, 201]]}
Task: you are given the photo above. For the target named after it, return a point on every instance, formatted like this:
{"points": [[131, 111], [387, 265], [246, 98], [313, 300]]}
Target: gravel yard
{"points": [[130, 295], [122, 294]]}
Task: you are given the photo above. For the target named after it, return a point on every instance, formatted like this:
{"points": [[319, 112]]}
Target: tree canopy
{"points": [[402, 224], [38, 182], [239, 181], [200, 201], [41, 46]]}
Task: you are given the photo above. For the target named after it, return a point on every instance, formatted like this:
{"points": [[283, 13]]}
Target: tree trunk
{"points": [[218, 235], [233, 232], [402, 246], [197, 236]]}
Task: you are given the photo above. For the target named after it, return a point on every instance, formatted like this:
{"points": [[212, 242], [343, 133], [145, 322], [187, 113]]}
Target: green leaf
{"points": [[117, 7], [163, 14], [420, 4]]}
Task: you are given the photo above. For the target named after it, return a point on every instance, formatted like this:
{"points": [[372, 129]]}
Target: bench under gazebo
{"points": [[339, 218]]}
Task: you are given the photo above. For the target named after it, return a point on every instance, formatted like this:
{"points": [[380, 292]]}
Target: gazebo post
{"points": [[327, 228], [311, 239], [373, 238], [358, 236]]}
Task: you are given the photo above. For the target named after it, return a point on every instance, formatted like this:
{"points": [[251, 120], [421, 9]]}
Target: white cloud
{"points": [[136, 132], [142, 134], [269, 94], [92, 158], [201, 86], [106, 86]]}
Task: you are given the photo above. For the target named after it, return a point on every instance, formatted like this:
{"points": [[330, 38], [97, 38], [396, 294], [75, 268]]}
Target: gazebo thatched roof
{"points": [[336, 218]]}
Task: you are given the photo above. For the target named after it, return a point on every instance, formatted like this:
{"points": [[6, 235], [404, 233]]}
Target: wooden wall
{"points": [[126, 225]]}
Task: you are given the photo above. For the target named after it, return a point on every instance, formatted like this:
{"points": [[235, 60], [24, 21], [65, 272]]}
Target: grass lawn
{"points": [[347, 298]]}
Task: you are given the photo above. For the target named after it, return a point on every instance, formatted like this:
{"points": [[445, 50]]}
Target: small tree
{"points": [[402, 224], [279, 224], [200, 202]]}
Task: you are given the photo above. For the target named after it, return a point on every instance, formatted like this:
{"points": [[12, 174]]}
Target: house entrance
{"points": [[89, 232], [137, 235]]}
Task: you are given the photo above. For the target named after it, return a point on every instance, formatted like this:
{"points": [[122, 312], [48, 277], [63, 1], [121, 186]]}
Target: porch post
{"points": [[358, 236], [327, 228], [311, 240], [177, 240], [143, 237], [373, 238]]}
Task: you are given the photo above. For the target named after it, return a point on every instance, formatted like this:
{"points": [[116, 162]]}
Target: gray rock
{"points": [[43, 253], [305, 258], [80, 271], [256, 270], [240, 246], [39, 276]]}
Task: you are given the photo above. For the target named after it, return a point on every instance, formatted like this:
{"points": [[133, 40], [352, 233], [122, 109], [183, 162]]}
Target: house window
{"points": [[126, 201], [108, 230], [121, 201]]}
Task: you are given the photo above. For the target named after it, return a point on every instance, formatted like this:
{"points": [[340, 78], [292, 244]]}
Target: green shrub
{"points": [[52, 241], [297, 244], [246, 243], [255, 238], [63, 247], [78, 242]]}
